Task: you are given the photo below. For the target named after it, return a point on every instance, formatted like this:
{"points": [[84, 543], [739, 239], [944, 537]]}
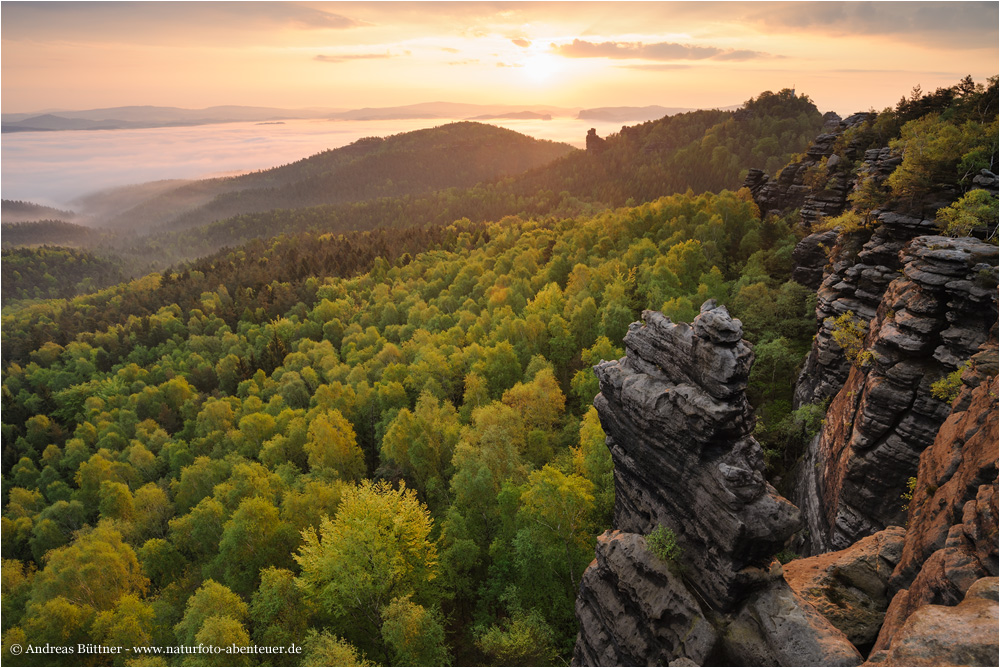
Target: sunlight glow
{"points": [[541, 67]]}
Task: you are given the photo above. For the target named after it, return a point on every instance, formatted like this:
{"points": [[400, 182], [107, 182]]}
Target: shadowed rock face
{"points": [[933, 316], [636, 609], [951, 536], [678, 426]]}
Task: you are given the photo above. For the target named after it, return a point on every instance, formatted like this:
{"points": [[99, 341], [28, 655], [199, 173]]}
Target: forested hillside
{"points": [[51, 272], [704, 151], [395, 166], [188, 414], [18, 211]]}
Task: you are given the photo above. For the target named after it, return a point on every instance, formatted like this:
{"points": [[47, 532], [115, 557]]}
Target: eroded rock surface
{"points": [[851, 587], [776, 627], [937, 635], [635, 611], [952, 536], [933, 316], [678, 426]]}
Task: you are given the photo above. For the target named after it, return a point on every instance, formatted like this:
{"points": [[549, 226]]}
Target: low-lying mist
{"points": [[60, 168]]}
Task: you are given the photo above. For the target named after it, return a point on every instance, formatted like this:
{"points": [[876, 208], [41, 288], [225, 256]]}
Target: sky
{"points": [[846, 56]]}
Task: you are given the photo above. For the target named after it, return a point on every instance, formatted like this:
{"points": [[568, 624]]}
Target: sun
{"points": [[540, 67]]}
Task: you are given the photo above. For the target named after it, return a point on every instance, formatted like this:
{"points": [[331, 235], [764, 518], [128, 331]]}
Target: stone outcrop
{"points": [[637, 611], [952, 536], [811, 258], [863, 266], [937, 635], [796, 184], [678, 426], [851, 587], [674, 409], [595, 144], [776, 627], [931, 318]]}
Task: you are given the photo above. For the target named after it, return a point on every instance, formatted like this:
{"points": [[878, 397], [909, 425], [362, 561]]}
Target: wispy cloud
{"points": [[345, 57], [966, 25], [521, 42], [579, 48], [657, 67]]}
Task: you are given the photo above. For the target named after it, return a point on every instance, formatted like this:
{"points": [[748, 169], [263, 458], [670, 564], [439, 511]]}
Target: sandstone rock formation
{"points": [[952, 536], [675, 410], [678, 427], [931, 318], [636, 611], [595, 144], [851, 587], [793, 188], [937, 635]]}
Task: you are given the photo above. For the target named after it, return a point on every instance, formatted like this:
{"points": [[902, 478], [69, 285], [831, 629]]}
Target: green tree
{"points": [[414, 634], [210, 600], [332, 447], [375, 549]]}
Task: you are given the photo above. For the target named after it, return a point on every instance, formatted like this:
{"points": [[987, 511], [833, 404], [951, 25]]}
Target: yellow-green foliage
{"points": [[663, 543], [849, 332], [947, 387], [976, 209], [847, 222]]}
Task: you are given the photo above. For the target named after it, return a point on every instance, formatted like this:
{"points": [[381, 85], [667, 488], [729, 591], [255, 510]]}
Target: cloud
{"points": [[743, 54], [966, 25], [341, 58], [521, 42], [657, 67], [502, 64], [165, 22], [655, 51], [467, 61], [448, 49]]}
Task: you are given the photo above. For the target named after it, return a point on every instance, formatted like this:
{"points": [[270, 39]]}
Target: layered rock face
{"points": [[931, 318], [791, 189], [678, 427], [951, 537], [862, 269]]}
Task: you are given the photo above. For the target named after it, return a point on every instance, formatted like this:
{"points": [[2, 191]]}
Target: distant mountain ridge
{"points": [[148, 116], [135, 117]]}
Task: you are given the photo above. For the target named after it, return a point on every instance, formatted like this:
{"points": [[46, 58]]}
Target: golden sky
{"points": [[845, 56]]}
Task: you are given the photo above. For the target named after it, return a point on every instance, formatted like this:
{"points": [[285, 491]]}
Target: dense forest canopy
{"points": [[368, 428]]}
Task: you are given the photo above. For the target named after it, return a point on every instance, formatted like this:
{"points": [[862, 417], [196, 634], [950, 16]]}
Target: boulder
{"points": [[851, 587], [776, 627], [635, 610], [938, 635]]}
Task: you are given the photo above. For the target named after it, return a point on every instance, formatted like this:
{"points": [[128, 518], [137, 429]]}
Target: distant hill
{"points": [[118, 118], [630, 114], [16, 211], [134, 117], [49, 272], [47, 232], [448, 110], [454, 155], [514, 115], [705, 151]]}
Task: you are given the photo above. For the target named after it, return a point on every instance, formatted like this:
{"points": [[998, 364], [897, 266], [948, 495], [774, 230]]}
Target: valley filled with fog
{"points": [[57, 168]]}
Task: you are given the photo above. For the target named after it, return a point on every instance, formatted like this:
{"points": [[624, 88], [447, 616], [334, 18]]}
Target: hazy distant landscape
{"points": [[58, 167]]}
